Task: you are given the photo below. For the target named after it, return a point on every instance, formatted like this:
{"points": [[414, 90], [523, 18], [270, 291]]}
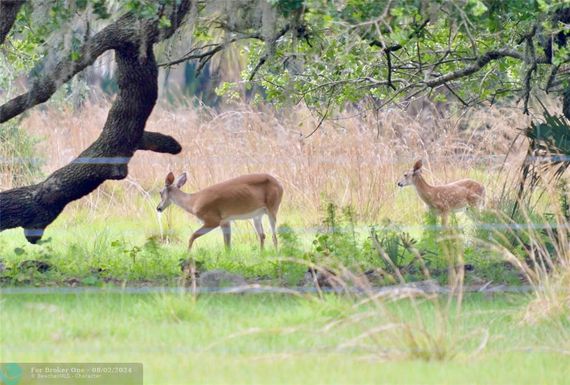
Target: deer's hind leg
{"points": [[259, 228], [273, 222], [444, 220]]}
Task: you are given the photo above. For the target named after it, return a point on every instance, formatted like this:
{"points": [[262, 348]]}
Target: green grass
{"points": [[104, 244], [264, 339], [85, 250], [129, 251], [271, 339]]}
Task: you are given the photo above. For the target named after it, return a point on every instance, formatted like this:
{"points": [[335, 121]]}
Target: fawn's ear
{"points": [[418, 165], [181, 180], [169, 179]]}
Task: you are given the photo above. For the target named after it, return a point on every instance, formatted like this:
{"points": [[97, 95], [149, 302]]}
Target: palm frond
{"points": [[548, 155]]}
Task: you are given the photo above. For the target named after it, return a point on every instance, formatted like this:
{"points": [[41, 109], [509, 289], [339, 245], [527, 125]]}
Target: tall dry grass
{"points": [[354, 159], [545, 265]]}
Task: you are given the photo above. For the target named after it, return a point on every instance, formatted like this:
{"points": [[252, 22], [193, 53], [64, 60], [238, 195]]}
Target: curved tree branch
{"points": [[157, 142], [480, 62], [35, 207], [128, 29]]}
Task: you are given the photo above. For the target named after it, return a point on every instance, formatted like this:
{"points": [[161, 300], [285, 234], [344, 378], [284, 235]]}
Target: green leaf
{"points": [[478, 8], [164, 22], [116, 243], [100, 9], [74, 55]]}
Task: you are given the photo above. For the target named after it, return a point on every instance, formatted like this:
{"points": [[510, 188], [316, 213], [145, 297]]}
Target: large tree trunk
{"points": [[35, 207]]}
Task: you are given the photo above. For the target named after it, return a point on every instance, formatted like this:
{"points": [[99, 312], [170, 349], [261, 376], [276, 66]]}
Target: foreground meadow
{"points": [[276, 339]]}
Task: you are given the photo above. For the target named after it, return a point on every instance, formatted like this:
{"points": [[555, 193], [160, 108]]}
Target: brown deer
{"points": [[445, 198], [245, 197]]}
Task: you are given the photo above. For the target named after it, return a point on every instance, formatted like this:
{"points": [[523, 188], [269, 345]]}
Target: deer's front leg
{"points": [[227, 230], [206, 228]]}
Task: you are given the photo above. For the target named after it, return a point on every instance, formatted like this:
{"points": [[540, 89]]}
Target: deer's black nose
{"points": [[159, 209]]}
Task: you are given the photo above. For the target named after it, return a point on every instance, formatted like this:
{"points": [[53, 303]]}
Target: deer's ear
{"points": [[181, 180], [418, 165], [169, 179]]}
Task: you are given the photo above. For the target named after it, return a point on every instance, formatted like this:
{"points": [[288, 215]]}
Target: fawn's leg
{"points": [[444, 220]]}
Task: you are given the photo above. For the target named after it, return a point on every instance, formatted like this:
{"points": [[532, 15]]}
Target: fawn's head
{"points": [[408, 178], [170, 185]]}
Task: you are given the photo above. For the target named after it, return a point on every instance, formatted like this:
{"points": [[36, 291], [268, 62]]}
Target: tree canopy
{"points": [[393, 51]]}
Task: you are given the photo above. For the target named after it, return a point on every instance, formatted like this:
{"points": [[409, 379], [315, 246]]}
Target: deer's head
{"points": [[408, 178], [170, 185]]}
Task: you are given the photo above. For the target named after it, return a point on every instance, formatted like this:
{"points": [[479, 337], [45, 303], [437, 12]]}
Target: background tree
{"points": [[57, 40], [394, 51], [466, 52]]}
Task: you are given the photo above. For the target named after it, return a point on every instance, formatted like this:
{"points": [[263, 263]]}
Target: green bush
{"points": [[18, 156]]}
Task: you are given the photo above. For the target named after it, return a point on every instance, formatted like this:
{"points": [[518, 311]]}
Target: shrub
{"points": [[19, 161]]}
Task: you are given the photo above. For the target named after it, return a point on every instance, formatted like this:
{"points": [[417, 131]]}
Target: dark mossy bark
{"points": [[35, 207]]}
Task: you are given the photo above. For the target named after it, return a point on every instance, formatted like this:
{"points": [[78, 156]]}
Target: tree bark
{"points": [[157, 142], [8, 12], [35, 207], [128, 29]]}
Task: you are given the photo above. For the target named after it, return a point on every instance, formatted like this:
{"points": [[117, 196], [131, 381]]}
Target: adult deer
{"points": [[245, 197], [446, 198]]}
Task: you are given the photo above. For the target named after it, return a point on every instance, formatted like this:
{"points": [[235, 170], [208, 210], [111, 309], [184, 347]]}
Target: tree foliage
{"points": [[330, 53], [466, 51]]}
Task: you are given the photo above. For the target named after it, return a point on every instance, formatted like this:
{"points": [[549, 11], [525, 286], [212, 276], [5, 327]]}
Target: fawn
{"points": [[446, 198]]}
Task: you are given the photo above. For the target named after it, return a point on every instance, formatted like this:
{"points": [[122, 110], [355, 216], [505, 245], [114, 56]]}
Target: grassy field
{"points": [[83, 251], [353, 160], [340, 203], [275, 339]]}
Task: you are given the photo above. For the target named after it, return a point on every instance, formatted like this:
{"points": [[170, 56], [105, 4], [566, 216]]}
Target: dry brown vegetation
{"points": [[353, 159]]}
